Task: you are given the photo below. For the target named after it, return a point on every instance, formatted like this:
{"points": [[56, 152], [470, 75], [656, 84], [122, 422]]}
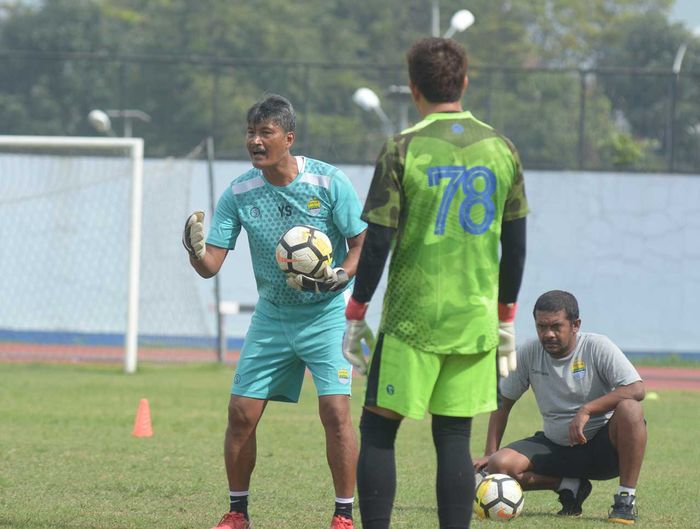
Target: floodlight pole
{"points": [[387, 125], [368, 100], [673, 95], [435, 19], [129, 115], [402, 94], [460, 21], [100, 120], [220, 327]]}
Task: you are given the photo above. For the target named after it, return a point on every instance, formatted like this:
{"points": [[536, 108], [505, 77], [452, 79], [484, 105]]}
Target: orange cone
{"points": [[142, 424]]}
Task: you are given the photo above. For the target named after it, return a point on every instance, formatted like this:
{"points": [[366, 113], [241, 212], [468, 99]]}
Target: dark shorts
{"points": [[597, 459]]}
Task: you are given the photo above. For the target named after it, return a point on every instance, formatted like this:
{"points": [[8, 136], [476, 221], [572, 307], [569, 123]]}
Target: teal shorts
{"points": [[283, 341]]}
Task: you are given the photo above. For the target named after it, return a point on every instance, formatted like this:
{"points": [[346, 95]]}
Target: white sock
{"points": [[237, 493], [570, 483], [628, 490], [344, 500]]}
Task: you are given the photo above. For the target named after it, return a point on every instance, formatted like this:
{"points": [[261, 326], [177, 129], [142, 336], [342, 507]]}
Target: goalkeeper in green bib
{"points": [[448, 200]]}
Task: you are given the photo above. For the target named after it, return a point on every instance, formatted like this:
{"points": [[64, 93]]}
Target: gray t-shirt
{"points": [[561, 386]]}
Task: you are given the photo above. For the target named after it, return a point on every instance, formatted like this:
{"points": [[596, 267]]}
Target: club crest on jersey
{"points": [[578, 369], [313, 206], [343, 376], [254, 212]]}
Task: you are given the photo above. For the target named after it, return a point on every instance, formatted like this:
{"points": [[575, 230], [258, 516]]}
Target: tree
{"points": [[41, 96], [196, 67], [650, 42]]}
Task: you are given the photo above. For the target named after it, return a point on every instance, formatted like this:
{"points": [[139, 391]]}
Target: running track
{"points": [[655, 378]]}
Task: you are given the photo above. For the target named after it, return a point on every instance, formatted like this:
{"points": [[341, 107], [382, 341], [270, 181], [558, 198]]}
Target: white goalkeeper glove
{"points": [[507, 360], [357, 330], [193, 235], [332, 279]]}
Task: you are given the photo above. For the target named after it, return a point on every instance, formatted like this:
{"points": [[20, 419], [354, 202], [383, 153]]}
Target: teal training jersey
{"points": [[445, 184], [320, 196]]}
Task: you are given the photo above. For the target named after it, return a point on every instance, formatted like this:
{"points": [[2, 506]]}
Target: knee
{"points": [[378, 431], [240, 420], [505, 461], [451, 429], [335, 414], [629, 411]]}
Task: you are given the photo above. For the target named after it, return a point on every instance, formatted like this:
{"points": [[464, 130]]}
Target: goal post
{"points": [[130, 148]]}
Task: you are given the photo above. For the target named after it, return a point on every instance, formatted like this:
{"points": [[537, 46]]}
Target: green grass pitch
{"points": [[68, 460]]}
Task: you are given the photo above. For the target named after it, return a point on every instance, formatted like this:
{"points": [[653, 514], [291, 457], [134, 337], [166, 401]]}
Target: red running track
{"points": [[675, 378], [655, 378]]}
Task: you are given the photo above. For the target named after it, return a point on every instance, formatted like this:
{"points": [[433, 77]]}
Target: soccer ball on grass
{"points": [[498, 497], [304, 250]]}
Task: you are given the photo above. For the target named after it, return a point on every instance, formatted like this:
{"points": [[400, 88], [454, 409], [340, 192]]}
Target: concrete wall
{"points": [[627, 245]]}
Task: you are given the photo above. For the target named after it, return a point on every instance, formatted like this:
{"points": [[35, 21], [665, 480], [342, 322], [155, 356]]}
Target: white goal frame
{"points": [[134, 146]]}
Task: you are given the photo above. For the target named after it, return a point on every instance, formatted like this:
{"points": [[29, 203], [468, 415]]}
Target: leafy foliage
{"points": [[195, 67]]}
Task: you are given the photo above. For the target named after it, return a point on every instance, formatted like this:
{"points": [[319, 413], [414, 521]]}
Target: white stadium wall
{"points": [[627, 245]]}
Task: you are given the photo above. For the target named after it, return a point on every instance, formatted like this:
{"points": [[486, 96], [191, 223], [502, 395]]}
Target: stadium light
{"points": [[460, 21], [673, 95], [680, 54], [102, 123], [367, 100]]}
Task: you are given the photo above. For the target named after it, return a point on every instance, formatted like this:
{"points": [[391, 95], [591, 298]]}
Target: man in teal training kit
{"points": [[446, 194], [292, 328], [589, 395]]}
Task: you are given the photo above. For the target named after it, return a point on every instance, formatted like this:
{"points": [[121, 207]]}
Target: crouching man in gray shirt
{"points": [[589, 396]]}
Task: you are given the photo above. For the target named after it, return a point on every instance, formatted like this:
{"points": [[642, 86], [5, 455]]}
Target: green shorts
{"points": [[411, 382]]}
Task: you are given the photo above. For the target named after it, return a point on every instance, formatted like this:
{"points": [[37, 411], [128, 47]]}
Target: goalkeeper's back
{"points": [[447, 184]]}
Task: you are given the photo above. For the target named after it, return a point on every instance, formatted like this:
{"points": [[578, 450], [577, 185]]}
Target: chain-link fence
{"points": [[592, 119]]}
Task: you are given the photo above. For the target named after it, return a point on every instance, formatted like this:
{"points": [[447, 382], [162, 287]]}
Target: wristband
{"points": [[355, 310], [506, 311]]}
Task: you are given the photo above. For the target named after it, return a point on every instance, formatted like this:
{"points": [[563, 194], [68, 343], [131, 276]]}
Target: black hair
{"points": [[273, 108], [556, 300], [437, 67]]}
